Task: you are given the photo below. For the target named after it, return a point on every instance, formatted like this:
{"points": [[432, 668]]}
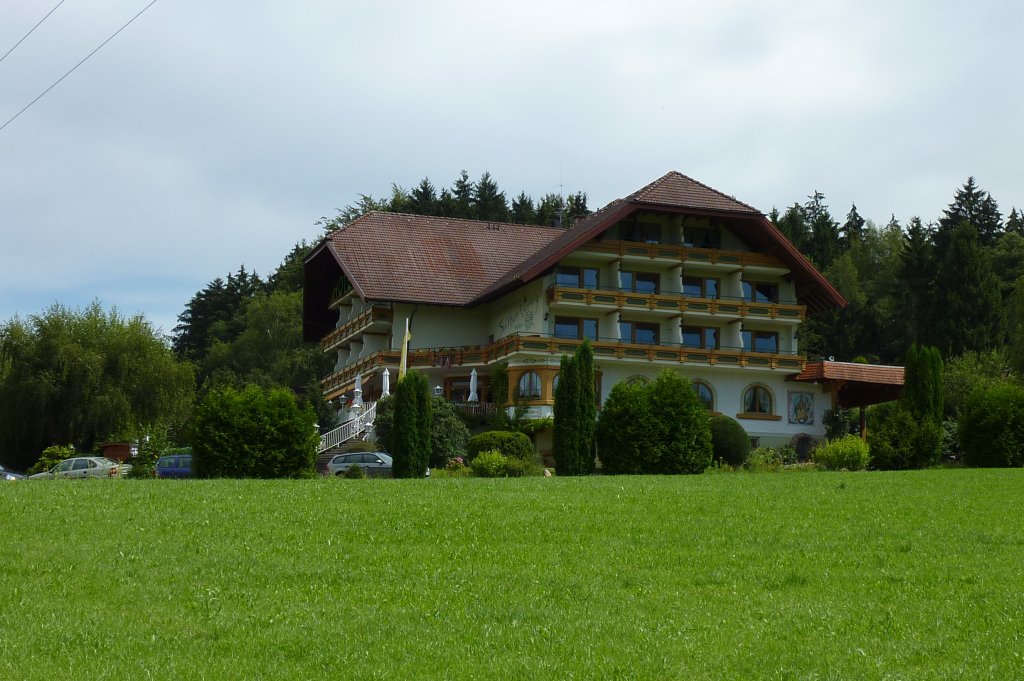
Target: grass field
{"points": [[814, 576]]}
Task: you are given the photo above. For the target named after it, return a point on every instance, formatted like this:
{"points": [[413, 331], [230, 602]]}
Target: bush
{"points": [[764, 460], [354, 472], [489, 464], [659, 428], [509, 444], [253, 433], [900, 441], [52, 456], [847, 453], [730, 444], [992, 426], [518, 468]]}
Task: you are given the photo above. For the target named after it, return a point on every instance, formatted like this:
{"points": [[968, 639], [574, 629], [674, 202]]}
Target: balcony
{"points": [[691, 255], [673, 303], [604, 348], [374, 318]]}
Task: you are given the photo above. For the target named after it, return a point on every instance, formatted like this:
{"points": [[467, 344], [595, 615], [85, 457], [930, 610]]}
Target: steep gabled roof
{"points": [[678, 190], [445, 261], [433, 260], [678, 193]]}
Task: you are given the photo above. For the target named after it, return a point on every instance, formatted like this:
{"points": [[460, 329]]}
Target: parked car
{"points": [[374, 463], [84, 467], [174, 466], [9, 475]]}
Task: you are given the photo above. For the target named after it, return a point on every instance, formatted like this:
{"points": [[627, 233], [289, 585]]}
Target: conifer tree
{"points": [[853, 228], [977, 208], [423, 199], [566, 416], [411, 434], [587, 414], [523, 212], [462, 197], [1015, 222], [916, 274], [489, 202], [966, 307]]}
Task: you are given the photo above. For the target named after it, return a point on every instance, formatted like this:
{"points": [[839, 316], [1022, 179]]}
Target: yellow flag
{"points": [[405, 351]]}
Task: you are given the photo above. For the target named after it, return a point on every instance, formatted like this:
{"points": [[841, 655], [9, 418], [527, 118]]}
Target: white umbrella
{"points": [[472, 387], [357, 394], [386, 382]]}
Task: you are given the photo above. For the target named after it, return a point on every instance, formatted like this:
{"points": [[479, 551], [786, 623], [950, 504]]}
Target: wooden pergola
{"points": [[855, 385]]}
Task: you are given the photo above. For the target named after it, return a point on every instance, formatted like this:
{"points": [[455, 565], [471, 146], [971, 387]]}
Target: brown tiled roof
{"points": [[423, 259], [444, 261], [675, 191], [851, 371], [679, 191]]}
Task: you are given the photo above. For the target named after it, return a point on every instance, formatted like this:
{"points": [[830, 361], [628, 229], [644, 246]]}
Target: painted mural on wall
{"points": [[801, 408], [518, 317]]}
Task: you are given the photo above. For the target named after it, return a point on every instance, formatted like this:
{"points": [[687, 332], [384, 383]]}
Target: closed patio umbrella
{"points": [[472, 387], [386, 383]]}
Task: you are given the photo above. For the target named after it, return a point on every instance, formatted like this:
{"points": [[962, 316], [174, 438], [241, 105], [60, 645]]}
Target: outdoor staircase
{"points": [[349, 430]]}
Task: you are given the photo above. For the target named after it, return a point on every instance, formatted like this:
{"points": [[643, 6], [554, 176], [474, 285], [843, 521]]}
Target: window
{"points": [[760, 292], [641, 231], [81, 464], [702, 237], [639, 282], [638, 332], [760, 341], [700, 337], [577, 277], [757, 400], [574, 327], [704, 394], [700, 287], [529, 385]]}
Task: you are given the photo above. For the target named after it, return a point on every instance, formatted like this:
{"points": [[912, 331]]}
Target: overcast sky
{"points": [[211, 134]]}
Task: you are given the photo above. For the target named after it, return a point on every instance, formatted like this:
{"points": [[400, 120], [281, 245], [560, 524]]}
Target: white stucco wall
{"points": [[521, 311]]}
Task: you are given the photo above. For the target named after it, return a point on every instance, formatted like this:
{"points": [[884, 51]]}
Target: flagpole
{"points": [[405, 351]]}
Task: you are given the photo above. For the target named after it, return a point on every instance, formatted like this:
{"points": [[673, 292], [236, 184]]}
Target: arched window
{"points": [[554, 383], [757, 399], [704, 394], [529, 385], [637, 379]]}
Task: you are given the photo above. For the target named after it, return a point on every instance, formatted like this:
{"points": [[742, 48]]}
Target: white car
{"points": [[84, 467]]}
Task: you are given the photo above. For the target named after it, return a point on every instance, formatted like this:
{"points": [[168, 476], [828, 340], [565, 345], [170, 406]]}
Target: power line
{"points": [[72, 69], [33, 29]]}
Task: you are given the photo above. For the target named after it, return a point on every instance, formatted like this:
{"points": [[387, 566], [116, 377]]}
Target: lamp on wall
{"points": [[438, 391]]}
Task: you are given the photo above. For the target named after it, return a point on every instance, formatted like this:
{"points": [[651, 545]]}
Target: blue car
{"points": [[174, 466]]}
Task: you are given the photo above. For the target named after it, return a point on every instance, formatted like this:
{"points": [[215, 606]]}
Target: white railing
{"points": [[348, 430]]}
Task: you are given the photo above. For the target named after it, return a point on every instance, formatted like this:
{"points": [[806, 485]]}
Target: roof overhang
{"points": [[855, 385]]}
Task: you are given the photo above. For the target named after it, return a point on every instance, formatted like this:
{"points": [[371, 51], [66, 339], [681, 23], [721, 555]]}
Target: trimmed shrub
{"points": [[991, 426], [730, 444], [253, 433], [519, 468], [507, 443], [847, 453], [900, 441], [660, 427], [567, 415], [489, 464], [448, 433]]}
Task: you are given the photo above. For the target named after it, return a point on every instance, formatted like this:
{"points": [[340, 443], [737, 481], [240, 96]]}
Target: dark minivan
{"points": [[174, 466]]}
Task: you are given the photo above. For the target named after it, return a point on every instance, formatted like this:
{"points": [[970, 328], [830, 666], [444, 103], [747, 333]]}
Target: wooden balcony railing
{"points": [[683, 253], [355, 326], [674, 302], [479, 355]]}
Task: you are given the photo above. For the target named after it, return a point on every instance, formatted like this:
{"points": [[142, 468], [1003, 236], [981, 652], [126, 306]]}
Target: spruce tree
{"points": [[825, 243], [966, 306], [1015, 222], [974, 206], [488, 201], [853, 228], [423, 199], [523, 212], [462, 197], [915, 275]]}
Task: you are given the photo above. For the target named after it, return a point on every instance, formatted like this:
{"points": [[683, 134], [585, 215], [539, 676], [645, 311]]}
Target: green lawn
{"points": [[806, 576]]}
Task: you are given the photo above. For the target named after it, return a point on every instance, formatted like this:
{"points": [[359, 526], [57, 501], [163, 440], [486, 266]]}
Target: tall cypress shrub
{"points": [[586, 420], [566, 414], [410, 438]]}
